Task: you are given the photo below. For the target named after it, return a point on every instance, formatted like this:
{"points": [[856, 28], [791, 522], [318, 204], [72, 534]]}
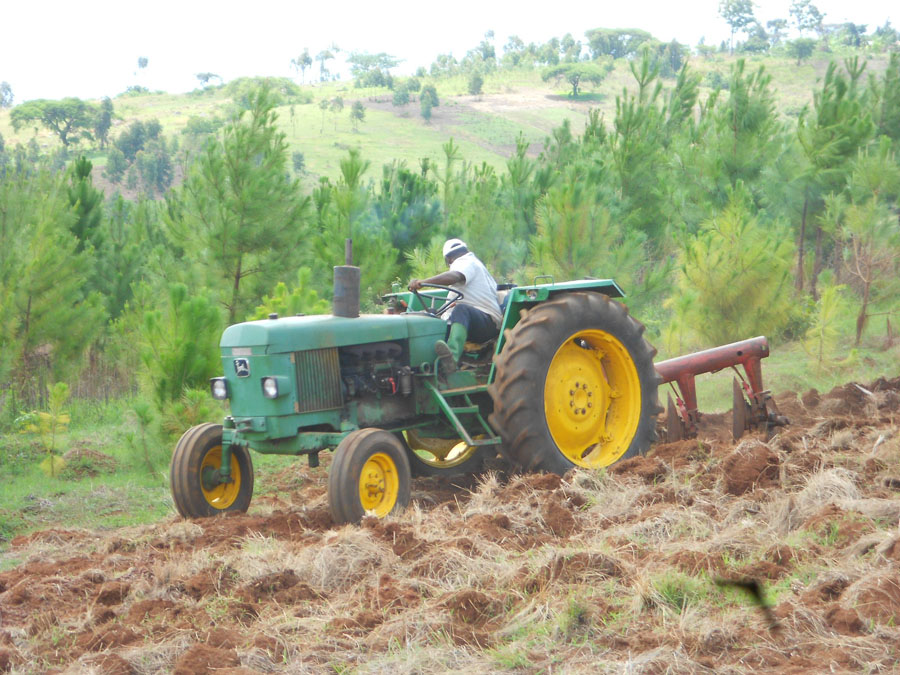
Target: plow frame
{"points": [[753, 406]]}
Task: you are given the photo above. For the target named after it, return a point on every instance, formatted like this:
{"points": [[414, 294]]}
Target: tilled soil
{"points": [[705, 555]]}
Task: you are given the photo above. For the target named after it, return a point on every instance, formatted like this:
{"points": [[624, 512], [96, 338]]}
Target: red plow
{"points": [[753, 406]]}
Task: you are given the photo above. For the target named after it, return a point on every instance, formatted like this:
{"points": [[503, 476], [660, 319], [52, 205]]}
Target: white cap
{"points": [[452, 245]]}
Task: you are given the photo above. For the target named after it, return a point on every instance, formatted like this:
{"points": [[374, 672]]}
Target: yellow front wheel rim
{"points": [[223, 495], [379, 484], [592, 398]]}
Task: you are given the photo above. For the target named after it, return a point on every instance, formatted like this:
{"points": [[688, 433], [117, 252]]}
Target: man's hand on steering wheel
{"points": [[449, 302]]}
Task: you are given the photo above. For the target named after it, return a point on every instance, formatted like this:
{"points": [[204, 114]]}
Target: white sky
{"points": [[89, 49]]}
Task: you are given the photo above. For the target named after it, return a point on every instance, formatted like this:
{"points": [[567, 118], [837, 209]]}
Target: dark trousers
{"points": [[480, 327]]}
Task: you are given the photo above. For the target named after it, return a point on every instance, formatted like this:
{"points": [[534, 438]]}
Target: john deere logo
{"points": [[242, 367]]}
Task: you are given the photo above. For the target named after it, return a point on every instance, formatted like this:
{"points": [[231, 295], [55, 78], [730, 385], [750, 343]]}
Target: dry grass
{"points": [[598, 572]]}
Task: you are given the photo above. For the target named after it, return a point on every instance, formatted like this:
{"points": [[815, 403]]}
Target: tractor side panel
{"points": [[422, 336], [244, 375]]}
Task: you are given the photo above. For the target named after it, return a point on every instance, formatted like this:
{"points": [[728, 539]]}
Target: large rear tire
{"points": [[369, 474], [194, 471], [575, 385]]}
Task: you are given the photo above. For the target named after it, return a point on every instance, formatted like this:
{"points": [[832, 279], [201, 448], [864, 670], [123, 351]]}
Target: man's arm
{"points": [[447, 278]]}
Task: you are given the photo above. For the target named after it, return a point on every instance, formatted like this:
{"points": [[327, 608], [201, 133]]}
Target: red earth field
{"points": [[649, 567]]}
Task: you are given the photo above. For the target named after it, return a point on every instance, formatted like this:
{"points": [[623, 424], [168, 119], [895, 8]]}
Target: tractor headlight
{"points": [[219, 388], [270, 387]]}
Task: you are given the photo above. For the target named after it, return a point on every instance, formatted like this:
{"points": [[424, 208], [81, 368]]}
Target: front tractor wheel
{"points": [[195, 479], [369, 474], [593, 371]]}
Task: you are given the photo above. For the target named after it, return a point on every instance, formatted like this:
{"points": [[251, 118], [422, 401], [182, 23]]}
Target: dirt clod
{"points": [[471, 606], [202, 659], [749, 467], [648, 469], [559, 519], [113, 593], [844, 620]]}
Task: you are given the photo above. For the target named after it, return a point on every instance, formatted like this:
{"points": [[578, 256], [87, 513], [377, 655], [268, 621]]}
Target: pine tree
{"points": [[738, 271], [179, 344], [577, 238], [823, 335], [47, 316], [239, 212], [637, 150], [870, 228], [830, 135], [889, 113], [87, 202], [301, 299], [344, 211]]}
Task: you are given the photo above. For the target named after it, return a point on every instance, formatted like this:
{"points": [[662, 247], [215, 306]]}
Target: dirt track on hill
{"points": [[453, 116], [640, 568]]}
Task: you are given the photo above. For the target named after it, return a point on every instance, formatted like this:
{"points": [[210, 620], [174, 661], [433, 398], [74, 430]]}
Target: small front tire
{"points": [[193, 473], [369, 474]]}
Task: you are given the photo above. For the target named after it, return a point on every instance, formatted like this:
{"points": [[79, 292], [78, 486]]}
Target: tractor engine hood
{"points": [[300, 333]]}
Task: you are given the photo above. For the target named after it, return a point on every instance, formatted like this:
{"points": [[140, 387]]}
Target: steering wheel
{"points": [[448, 301]]}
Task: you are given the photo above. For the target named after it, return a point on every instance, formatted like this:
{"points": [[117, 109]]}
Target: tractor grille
{"points": [[318, 379]]}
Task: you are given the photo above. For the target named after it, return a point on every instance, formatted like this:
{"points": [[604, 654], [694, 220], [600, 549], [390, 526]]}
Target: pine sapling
{"points": [[49, 425]]}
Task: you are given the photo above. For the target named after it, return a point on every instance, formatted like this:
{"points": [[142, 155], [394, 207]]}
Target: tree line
{"points": [[718, 217], [579, 61]]}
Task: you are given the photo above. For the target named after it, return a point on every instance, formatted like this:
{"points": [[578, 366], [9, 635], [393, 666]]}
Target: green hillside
{"points": [[485, 126]]}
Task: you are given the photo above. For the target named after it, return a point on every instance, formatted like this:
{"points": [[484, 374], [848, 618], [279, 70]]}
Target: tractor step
{"points": [[452, 413]]}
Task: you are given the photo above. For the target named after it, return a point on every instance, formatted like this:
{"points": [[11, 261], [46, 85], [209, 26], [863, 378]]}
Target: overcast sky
{"points": [[90, 49]]}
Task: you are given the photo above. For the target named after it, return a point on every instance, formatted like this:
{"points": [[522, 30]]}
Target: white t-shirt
{"points": [[479, 288]]}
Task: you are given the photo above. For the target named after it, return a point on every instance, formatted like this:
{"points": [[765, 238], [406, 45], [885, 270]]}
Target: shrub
{"points": [[716, 80], [401, 96], [429, 92], [299, 161], [735, 274], [116, 165], [476, 81], [199, 126]]}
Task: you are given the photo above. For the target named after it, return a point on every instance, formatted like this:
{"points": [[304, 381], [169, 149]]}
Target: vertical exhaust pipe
{"points": [[346, 286]]}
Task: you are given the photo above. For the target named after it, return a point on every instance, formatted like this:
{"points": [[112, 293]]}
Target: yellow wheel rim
{"points": [[592, 398], [442, 453], [220, 496], [379, 484]]}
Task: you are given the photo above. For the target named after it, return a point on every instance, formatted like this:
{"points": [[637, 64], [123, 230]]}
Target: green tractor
{"points": [[569, 382]]}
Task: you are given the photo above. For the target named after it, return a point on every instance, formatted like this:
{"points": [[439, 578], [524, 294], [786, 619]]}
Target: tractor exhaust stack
{"points": [[346, 286], [753, 408]]}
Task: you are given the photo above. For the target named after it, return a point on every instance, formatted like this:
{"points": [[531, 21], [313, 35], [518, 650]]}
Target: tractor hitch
{"points": [[753, 406]]}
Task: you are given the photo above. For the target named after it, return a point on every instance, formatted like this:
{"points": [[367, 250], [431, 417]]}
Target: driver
{"points": [[477, 315]]}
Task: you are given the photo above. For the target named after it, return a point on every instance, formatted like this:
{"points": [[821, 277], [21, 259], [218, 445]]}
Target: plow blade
{"points": [[753, 407]]}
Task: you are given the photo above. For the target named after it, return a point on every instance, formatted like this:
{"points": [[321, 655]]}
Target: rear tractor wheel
{"points": [[194, 477], [575, 385], [369, 475], [441, 456]]}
